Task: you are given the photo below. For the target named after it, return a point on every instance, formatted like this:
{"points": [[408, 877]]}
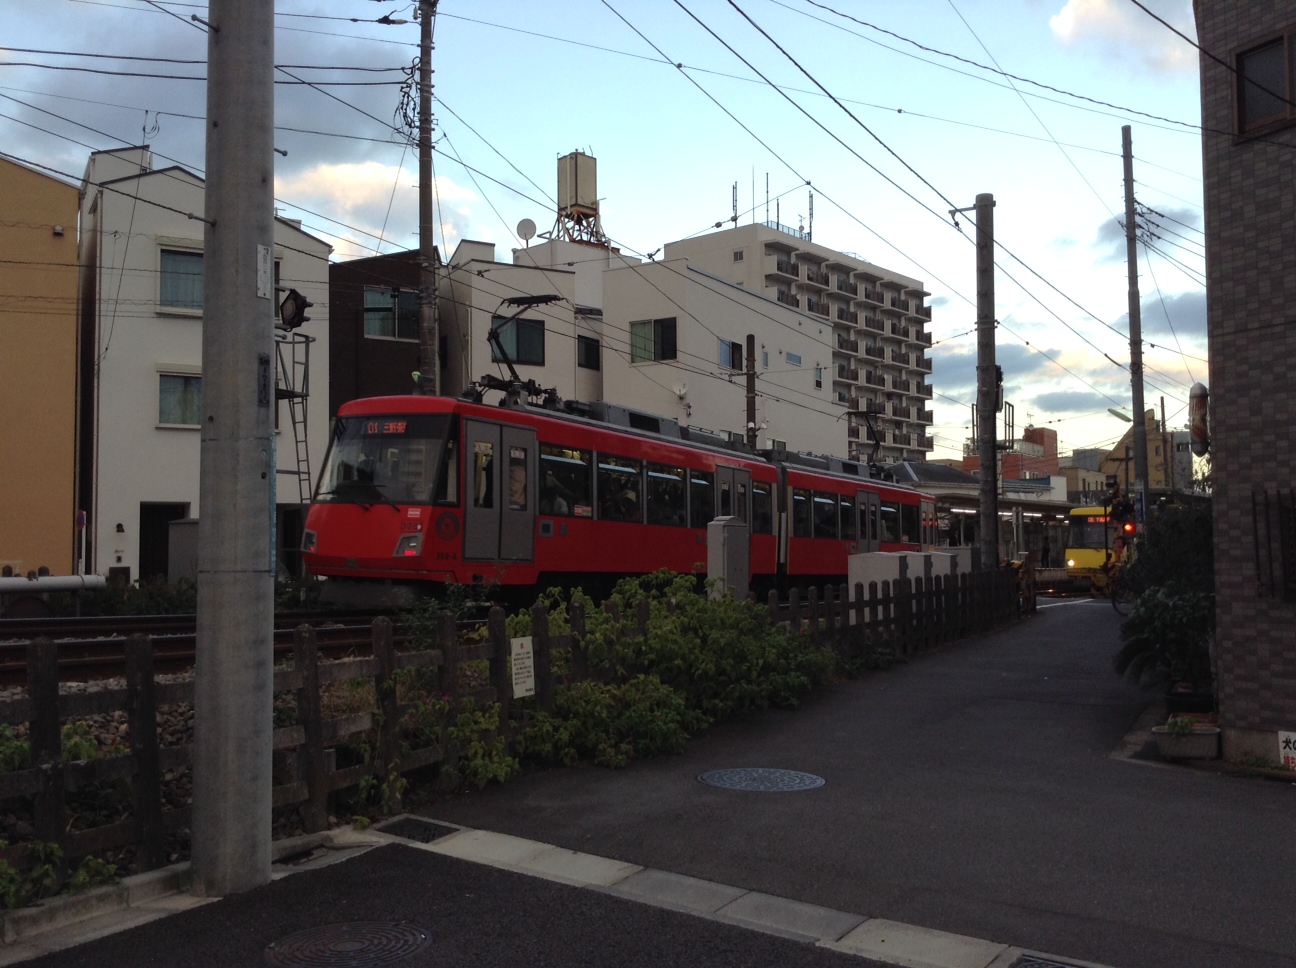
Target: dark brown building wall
{"points": [[361, 366], [1250, 203]]}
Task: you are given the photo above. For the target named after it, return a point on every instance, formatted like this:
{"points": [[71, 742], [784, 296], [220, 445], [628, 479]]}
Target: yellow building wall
{"points": [[38, 371]]}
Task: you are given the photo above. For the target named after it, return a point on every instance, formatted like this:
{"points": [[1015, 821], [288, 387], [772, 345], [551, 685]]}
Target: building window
{"points": [[588, 353], [179, 400], [523, 340], [1264, 87], [731, 354], [738, 255], [652, 339], [765, 358], [181, 285], [391, 313], [818, 377], [794, 359]]}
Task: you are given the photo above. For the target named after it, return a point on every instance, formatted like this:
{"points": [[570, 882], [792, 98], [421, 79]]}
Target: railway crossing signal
{"points": [[292, 311]]}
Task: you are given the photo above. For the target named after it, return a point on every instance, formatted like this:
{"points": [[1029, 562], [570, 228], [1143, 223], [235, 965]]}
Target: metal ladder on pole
{"points": [[293, 385]]}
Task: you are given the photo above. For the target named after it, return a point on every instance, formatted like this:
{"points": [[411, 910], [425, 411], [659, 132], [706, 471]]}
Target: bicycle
{"points": [[1120, 592]]}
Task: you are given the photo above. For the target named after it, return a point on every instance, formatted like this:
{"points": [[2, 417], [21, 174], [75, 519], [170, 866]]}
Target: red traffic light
{"points": [[1128, 527]]}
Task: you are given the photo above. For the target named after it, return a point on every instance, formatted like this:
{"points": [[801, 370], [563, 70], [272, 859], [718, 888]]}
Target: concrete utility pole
{"points": [[987, 385], [751, 391], [429, 364], [1136, 332], [235, 645]]}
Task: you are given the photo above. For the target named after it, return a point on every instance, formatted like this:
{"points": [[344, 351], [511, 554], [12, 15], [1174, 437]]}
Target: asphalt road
{"points": [[976, 790]]}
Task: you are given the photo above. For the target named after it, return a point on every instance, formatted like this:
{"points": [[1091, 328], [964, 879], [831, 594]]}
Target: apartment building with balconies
{"points": [[879, 365]]}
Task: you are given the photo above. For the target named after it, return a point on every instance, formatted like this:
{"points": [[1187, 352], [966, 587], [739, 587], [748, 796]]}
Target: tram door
{"points": [[733, 493], [500, 492], [869, 508]]}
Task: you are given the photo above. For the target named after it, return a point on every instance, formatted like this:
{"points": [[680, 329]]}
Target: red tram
{"points": [[422, 489]]}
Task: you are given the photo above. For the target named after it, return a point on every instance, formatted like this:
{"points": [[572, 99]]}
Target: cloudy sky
{"points": [[894, 112]]}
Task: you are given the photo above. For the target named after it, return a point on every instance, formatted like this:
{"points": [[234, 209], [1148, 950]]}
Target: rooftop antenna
{"points": [[526, 230], [810, 231], [734, 219]]}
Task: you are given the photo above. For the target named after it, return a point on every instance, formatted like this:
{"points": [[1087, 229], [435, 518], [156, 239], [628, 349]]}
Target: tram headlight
{"points": [[1070, 562], [409, 546]]}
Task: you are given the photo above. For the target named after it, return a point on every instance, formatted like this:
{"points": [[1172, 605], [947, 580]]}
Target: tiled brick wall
{"points": [[1250, 197]]}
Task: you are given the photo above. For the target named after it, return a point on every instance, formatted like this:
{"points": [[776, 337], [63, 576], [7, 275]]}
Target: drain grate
{"points": [[359, 944], [422, 831], [1041, 961], [762, 780]]}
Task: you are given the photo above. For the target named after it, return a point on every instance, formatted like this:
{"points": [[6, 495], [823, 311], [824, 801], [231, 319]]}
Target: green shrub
{"points": [[1168, 637]]}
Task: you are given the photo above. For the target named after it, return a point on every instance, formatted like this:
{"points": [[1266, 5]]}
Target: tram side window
{"points": [[566, 481], [910, 523], [620, 488], [847, 511], [741, 507], [517, 479], [825, 515], [446, 489], [483, 474], [726, 500], [762, 508], [666, 501], [801, 513], [890, 521], [701, 498]]}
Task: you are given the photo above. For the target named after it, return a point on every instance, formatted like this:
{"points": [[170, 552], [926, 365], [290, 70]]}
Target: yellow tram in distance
{"points": [[1097, 539], [1094, 539]]}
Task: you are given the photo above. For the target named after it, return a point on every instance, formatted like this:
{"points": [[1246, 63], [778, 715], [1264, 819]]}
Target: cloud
{"points": [[1122, 33]]}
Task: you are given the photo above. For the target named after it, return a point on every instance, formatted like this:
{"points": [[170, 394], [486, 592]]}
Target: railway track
{"points": [[94, 648]]}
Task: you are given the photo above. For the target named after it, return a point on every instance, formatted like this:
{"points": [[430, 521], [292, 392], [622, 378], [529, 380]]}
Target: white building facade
{"points": [[141, 302]]}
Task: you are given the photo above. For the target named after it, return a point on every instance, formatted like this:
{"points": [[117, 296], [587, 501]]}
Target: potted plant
{"points": [[1167, 639], [1187, 738]]}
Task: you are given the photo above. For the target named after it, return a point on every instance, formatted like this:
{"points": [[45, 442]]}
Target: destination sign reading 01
{"points": [[386, 428]]}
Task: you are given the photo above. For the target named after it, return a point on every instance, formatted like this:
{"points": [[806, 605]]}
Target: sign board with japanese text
{"points": [[1287, 750], [523, 667]]}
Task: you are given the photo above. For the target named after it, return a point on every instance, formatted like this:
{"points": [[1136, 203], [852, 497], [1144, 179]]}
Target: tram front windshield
{"points": [[392, 458], [1089, 531]]}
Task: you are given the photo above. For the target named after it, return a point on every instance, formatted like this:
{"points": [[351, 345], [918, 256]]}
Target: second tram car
{"points": [[425, 490]]}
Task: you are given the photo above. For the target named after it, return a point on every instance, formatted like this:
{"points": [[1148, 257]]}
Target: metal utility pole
{"points": [[1136, 332], [751, 390], [988, 383], [429, 365], [234, 671]]}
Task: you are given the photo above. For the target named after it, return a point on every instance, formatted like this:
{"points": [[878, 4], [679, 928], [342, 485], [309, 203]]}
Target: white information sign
{"points": [[265, 273], [523, 667], [1287, 750]]}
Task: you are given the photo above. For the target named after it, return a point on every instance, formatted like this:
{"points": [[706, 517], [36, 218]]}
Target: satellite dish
{"points": [[526, 230]]}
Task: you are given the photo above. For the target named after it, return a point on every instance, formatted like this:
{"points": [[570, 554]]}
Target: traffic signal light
{"points": [[1122, 514], [292, 311]]}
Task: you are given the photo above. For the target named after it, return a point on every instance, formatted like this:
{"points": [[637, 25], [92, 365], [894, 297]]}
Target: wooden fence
{"points": [[901, 616]]}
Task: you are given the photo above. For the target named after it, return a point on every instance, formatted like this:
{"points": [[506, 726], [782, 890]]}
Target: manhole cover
{"points": [[360, 944], [762, 780], [423, 831]]}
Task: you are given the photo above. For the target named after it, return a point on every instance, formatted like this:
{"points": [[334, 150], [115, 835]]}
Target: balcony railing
{"points": [[849, 374], [923, 416], [848, 345], [845, 285], [904, 386], [923, 338], [926, 443], [924, 390], [852, 433], [847, 315], [924, 311], [898, 329], [877, 352], [904, 359], [874, 379], [873, 323], [923, 364], [816, 306], [871, 294], [787, 267], [788, 299], [816, 276], [900, 411]]}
